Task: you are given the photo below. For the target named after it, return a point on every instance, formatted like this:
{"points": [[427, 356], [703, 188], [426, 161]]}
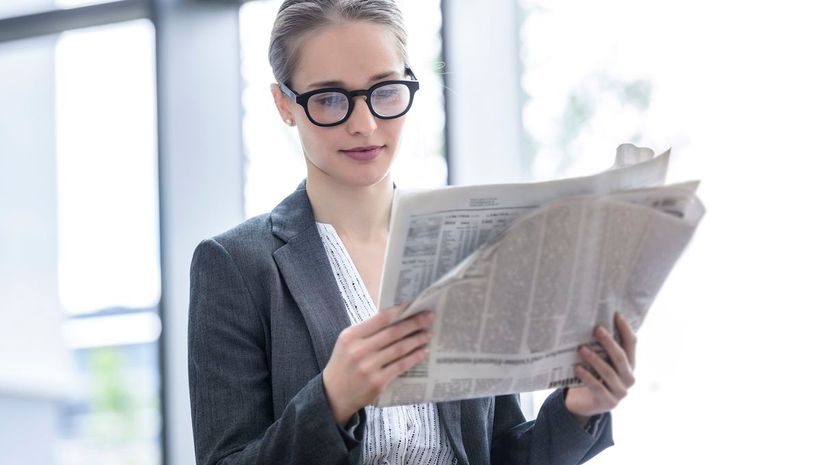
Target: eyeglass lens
{"points": [[387, 101]]}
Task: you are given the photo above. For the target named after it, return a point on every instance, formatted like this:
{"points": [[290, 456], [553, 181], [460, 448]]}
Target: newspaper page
{"points": [[432, 231], [526, 271]]}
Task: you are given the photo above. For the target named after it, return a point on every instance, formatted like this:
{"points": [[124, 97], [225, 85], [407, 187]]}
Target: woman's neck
{"points": [[361, 214]]}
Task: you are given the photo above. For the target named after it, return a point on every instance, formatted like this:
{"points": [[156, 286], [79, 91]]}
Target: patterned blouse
{"points": [[406, 434]]}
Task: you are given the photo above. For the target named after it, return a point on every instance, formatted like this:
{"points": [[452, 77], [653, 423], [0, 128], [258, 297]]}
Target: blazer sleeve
{"points": [[230, 380], [554, 438]]}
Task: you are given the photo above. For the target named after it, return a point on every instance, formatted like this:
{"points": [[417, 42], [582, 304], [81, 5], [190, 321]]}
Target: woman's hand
{"points": [[367, 356], [601, 394]]}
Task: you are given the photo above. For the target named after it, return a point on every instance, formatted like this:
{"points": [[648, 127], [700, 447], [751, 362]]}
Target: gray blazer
{"points": [[265, 313]]}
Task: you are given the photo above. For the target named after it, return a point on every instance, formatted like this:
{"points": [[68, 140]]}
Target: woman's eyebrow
{"points": [[376, 77]]}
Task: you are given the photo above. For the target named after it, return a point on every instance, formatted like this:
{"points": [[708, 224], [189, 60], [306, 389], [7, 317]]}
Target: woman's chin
{"points": [[371, 180], [353, 179]]}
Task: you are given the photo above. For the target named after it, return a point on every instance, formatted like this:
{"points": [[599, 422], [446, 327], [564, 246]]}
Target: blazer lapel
{"points": [[304, 266], [450, 419]]}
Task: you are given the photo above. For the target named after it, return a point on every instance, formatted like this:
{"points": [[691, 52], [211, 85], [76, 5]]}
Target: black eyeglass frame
{"points": [[302, 99]]}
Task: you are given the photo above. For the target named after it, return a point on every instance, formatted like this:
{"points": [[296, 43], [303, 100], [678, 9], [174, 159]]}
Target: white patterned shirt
{"points": [[405, 434]]}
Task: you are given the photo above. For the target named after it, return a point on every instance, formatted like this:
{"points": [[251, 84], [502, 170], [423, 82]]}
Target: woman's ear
{"points": [[282, 104]]}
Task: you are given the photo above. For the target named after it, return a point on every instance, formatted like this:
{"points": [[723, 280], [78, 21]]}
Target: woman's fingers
{"points": [[375, 323], [604, 400], [401, 348], [606, 379], [401, 365], [367, 356], [617, 356], [399, 330], [368, 352], [606, 372], [628, 337]]}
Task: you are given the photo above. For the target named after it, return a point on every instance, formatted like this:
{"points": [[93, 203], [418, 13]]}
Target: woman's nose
{"points": [[361, 120]]}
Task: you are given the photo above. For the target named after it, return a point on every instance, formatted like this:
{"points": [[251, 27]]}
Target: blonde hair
{"points": [[298, 18]]}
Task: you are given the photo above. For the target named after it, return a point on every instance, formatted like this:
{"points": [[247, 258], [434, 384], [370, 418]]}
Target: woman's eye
{"points": [[329, 100], [387, 93]]}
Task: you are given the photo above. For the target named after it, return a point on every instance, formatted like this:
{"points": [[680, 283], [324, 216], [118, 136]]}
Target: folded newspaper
{"points": [[519, 275]]}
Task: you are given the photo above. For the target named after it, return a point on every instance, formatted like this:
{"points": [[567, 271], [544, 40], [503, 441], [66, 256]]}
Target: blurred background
{"points": [[130, 130]]}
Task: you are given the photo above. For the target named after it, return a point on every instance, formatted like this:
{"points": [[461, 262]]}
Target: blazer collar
{"points": [[304, 266], [293, 215]]}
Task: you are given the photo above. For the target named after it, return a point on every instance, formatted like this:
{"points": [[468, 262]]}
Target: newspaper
{"points": [[519, 275]]}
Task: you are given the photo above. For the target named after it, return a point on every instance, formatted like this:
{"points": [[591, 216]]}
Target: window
{"points": [[740, 97], [108, 254], [584, 93], [81, 261]]}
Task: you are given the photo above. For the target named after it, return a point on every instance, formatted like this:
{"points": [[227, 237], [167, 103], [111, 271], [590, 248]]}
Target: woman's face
{"points": [[352, 56]]}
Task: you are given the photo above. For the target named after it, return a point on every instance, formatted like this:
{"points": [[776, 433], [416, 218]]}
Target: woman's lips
{"points": [[364, 154]]}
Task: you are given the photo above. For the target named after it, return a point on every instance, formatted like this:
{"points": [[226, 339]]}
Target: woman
{"points": [[287, 350]]}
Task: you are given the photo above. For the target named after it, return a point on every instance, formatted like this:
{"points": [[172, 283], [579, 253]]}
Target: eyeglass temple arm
{"points": [[286, 90], [410, 72]]}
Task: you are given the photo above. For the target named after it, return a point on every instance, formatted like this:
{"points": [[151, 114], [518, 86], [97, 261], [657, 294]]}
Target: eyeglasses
{"points": [[331, 106]]}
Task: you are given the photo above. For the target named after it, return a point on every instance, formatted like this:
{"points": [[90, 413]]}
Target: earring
{"points": [[289, 121]]}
